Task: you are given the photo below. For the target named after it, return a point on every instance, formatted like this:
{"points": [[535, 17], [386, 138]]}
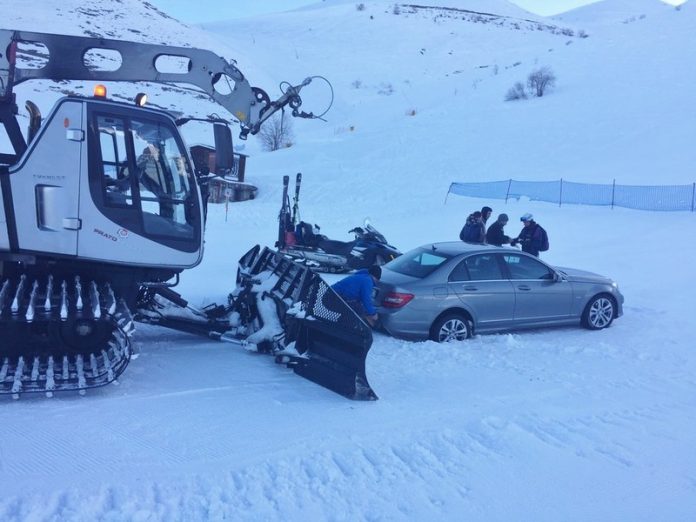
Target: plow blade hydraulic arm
{"points": [[283, 309]]}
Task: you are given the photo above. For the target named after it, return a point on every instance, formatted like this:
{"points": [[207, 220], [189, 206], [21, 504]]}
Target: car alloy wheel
{"points": [[600, 313], [451, 328]]}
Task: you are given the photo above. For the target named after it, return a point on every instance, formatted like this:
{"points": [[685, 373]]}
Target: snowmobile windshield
{"points": [[377, 235], [419, 263]]}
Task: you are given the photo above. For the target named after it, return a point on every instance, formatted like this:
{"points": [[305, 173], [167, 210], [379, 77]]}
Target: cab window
{"points": [[116, 180], [163, 182], [144, 178]]}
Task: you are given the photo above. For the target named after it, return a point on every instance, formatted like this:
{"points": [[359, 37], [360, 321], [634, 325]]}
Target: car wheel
{"points": [[599, 312], [451, 327]]}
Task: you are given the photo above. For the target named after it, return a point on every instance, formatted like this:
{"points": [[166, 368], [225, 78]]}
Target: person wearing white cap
{"points": [[533, 238]]}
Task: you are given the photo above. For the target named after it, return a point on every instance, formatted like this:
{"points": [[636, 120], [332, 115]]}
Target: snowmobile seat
{"points": [[332, 246], [305, 235]]}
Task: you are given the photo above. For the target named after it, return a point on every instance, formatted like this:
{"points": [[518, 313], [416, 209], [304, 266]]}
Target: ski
{"points": [[296, 200], [284, 217]]}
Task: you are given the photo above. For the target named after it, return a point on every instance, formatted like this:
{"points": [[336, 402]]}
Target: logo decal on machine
{"points": [[105, 234], [122, 232]]}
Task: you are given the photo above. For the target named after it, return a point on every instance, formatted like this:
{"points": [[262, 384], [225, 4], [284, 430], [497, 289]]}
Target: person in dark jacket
{"points": [[495, 234], [531, 237], [485, 214], [474, 231], [356, 291]]}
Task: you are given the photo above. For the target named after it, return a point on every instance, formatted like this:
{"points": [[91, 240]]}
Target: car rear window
{"points": [[418, 263]]}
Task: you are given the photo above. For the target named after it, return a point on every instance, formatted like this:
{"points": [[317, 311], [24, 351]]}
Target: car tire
{"points": [[599, 313], [451, 327]]}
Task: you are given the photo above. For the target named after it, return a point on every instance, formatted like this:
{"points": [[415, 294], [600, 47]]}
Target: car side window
{"points": [[460, 273], [483, 267], [523, 267]]}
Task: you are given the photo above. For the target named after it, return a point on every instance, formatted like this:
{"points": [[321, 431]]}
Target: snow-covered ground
{"points": [[561, 424]]}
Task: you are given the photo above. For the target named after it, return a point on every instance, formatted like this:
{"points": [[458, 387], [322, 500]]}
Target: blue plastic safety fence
{"points": [[645, 197]]}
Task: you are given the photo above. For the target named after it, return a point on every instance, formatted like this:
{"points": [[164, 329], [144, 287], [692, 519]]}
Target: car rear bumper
{"points": [[404, 324], [619, 298]]}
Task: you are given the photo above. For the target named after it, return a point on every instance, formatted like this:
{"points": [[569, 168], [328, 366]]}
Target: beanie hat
{"points": [[527, 217], [503, 218], [375, 271]]}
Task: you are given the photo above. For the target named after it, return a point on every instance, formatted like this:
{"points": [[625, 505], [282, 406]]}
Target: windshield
{"points": [[419, 263], [370, 229], [163, 180]]}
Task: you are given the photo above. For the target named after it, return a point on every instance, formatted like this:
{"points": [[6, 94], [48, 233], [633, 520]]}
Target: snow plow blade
{"points": [[324, 341]]}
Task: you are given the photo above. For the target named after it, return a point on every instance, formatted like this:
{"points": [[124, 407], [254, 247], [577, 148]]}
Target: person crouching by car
{"points": [[495, 234], [356, 291], [533, 237]]}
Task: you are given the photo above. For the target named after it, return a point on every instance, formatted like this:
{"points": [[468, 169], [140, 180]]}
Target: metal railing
{"points": [[238, 167], [640, 197]]}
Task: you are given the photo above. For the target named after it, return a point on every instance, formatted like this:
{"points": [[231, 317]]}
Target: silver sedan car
{"points": [[448, 291]]}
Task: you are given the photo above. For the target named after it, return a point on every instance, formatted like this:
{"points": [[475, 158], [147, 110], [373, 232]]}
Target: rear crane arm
{"points": [[142, 62]]}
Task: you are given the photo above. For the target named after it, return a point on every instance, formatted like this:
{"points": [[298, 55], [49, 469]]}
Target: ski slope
{"points": [[561, 424]]}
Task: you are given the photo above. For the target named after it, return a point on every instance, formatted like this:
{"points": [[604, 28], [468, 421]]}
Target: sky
{"points": [[553, 7], [203, 11], [212, 10]]}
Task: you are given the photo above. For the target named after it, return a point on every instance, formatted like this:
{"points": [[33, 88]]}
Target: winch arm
{"points": [[143, 62]]}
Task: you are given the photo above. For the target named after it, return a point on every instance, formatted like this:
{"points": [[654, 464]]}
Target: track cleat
{"points": [[61, 337]]}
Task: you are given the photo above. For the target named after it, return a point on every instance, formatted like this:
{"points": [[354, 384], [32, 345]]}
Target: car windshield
{"points": [[419, 263]]}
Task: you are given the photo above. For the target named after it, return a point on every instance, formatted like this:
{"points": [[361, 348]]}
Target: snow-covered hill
{"points": [[454, 72], [611, 12], [561, 424]]}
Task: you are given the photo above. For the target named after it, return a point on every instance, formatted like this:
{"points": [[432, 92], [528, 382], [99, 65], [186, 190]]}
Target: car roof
{"points": [[453, 248]]}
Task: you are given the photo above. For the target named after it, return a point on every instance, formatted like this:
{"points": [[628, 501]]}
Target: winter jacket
{"points": [[474, 230], [531, 239], [495, 235], [357, 287]]}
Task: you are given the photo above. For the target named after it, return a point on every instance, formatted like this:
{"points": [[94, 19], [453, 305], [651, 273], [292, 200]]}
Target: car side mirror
{"points": [[557, 278]]}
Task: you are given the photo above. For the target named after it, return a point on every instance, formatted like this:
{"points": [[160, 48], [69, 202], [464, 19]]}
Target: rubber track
{"points": [[61, 335]]}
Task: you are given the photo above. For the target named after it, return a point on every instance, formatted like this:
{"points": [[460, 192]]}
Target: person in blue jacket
{"points": [[356, 291]]}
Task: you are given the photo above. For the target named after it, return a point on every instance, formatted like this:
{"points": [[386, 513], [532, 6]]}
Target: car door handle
{"points": [[524, 287], [470, 288]]}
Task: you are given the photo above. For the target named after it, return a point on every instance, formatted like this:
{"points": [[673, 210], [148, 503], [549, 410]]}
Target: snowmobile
{"points": [[94, 232], [305, 244]]}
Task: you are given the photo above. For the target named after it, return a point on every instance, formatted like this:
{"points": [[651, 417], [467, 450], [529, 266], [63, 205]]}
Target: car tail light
{"points": [[396, 300]]}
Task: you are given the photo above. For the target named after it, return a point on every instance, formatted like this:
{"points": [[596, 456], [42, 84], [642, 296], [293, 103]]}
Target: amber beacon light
{"points": [[99, 91]]}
